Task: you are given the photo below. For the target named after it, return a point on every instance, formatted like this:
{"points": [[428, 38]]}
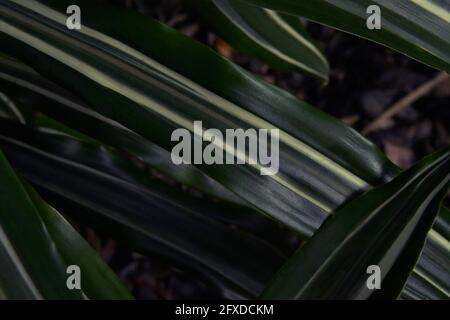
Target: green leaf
{"points": [[8, 109], [385, 227], [97, 186], [417, 28], [34, 93], [152, 100], [418, 288], [34, 271], [277, 39], [145, 89], [434, 262], [97, 280], [30, 266]]}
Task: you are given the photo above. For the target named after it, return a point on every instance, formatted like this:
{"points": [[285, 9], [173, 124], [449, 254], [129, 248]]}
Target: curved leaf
{"points": [[8, 109], [35, 93], [30, 267], [385, 227], [32, 91], [152, 100], [277, 39], [152, 217], [320, 170], [418, 288], [417, 28], [97, 280], [434, 262]]}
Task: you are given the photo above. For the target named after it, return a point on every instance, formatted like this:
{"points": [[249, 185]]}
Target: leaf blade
{"points": [[144, 213], [386, 226], [328, 161], [277, 39], [30, 248], [98, 281], [416, 28]]}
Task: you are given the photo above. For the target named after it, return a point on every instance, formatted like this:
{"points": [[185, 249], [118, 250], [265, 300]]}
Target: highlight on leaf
{"points": [[385, 227], [86, 118]]}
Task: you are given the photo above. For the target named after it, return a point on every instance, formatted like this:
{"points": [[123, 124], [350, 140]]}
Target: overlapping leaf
{"points": [[152, 100], [36, 94], [320, 170], [8, 109], [32, 266], [97, 280], [418, 288], [99, 187], [417, 28], [277, 39], [385, 227]]}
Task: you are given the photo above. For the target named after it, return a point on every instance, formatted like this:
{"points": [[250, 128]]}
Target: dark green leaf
{"points": [[385, 227], [277, 39], [434, 262], [35, 93], [320, 170], [30, 266], [97, 280], [418, 288], [8, 109], [152, 100], [145, 213], [417, 28]]}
